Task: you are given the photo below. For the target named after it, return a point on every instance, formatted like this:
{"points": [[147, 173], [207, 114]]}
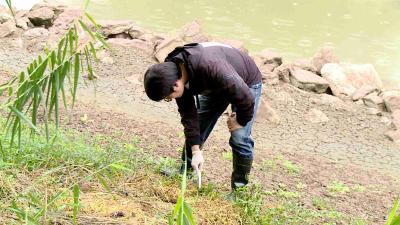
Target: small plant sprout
{"points": [[337, 187]]}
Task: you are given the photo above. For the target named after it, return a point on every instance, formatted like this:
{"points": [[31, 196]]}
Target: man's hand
{"points": [[197, 158], [232, 122]]}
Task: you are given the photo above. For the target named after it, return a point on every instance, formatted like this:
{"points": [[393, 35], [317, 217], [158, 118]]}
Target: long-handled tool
{"points": [[198, 172]]}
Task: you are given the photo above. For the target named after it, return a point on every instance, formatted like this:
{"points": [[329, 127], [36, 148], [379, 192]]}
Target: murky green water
{"points": [[362, 31]]}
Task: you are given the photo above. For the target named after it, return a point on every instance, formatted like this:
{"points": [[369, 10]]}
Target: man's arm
{"points": [[189, 119], [187, 110]]}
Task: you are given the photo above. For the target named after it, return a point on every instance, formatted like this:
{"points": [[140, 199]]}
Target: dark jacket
{"points": [[214, 69]]}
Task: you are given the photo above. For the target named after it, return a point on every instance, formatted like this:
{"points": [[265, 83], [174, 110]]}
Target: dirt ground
{"points": [[349, 149]]}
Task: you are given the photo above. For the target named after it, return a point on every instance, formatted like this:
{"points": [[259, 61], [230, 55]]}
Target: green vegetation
{"points": [[394, 219], [62, 176], [290, 167], [79, 177], [337, 187], [227, 155]]}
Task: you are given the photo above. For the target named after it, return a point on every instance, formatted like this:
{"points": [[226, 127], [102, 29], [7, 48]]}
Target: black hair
{"points": [[159, 80]]}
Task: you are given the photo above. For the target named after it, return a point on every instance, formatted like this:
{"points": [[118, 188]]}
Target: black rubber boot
{"points": [[241, 171]]}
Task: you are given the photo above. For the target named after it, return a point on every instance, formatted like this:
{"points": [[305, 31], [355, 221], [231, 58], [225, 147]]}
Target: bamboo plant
{"points": [[37, 92]]}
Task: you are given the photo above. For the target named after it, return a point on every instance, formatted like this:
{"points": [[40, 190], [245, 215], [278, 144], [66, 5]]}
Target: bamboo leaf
{"points": [[392, 213], [35, 107], [89, 64], [63, 74], [86, 4], [76, 202], [76, 78], [9, 5], [83, 25], [120, 167], [93, 50], [49, 203], [3, 154], [23, 117], [60, 50], [91, 20], [101, 39], [103, 183], [188, 213], [396, 221], [71, 41]]}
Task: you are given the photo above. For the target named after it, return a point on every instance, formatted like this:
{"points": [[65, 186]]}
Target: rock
{"points": [[284, 71], [396, 119], [117, 214], [55, 6], [139, 44], [308, 81], [113, 27], [4, 9], [266, 113], [268, 57], [332, 101], [43, 16], [66, 18], [391, 100], [363, 91], [322, 57], [192, 32], [167, 46], [316, 116], [234, 43], [36, 33], [104, 57], [374, 111], [155, 39], [393, 135], [136, 32], [268, 67], [7, 29], [305, 64], [269, 77], [345, 79], [4, 17], [23, 23], [386, 121], [36, 38], [374, 101], [21, 13], [120, 36]]}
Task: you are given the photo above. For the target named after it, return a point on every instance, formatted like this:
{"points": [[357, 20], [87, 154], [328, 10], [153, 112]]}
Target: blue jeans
{"points": [[212, 107]]}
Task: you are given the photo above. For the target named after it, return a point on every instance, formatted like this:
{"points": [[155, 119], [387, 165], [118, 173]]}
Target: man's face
{"points": [[179, 87]]}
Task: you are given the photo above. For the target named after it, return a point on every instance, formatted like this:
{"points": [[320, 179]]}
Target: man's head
{"points": [[163, 81]]}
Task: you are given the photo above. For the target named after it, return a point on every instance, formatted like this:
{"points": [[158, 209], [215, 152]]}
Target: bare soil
{"points": [[349, 149]]}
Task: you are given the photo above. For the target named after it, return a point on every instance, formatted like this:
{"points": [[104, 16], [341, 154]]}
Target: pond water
{"points": [[361, 31]]}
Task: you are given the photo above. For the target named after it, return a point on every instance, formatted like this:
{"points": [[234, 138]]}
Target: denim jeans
{"points": [[211, 108]]}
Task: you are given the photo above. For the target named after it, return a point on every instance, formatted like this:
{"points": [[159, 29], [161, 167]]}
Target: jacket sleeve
{"points": [[189, 118], [223, 76]]}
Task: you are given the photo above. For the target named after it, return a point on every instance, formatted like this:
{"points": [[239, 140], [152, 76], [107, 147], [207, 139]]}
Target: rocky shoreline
{"points": [[324, 73]]}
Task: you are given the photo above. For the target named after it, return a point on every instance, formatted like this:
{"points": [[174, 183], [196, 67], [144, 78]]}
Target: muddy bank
{"points": [[328, 118]]}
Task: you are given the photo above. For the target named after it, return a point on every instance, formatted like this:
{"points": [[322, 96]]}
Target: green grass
{"points": [[287, 208], [39, 177], [227, 155], [338, 187], [290, 167], [44, 182]]}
